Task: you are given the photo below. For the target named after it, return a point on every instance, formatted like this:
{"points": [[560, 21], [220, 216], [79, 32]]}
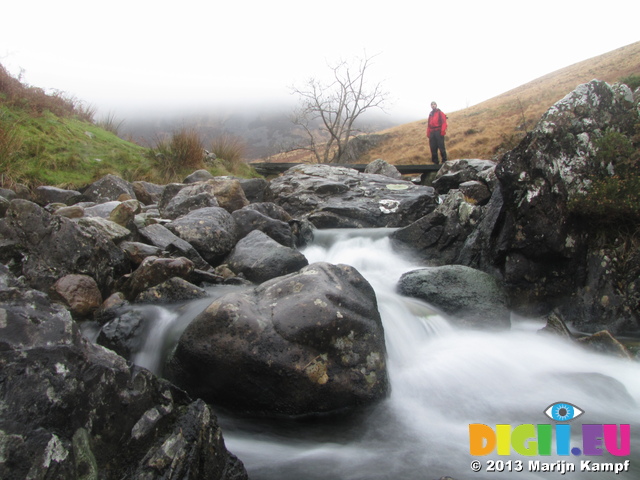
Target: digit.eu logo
{"points": [[547, 439]]}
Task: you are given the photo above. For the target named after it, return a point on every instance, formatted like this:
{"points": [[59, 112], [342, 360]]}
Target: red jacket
{"points": [[437, 121]]}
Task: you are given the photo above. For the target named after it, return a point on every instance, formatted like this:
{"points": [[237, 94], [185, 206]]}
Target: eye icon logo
{"points": [[563, 412]]}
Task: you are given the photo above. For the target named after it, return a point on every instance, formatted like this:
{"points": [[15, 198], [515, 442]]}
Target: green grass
{"points": [[64, 151], [67, 152]]}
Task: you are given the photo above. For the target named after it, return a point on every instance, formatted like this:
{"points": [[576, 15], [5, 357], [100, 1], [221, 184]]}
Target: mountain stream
{"points": [[442, 380]]}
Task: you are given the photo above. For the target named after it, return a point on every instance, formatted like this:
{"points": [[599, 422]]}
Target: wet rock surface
{"points": [[305, 343], [72, 409], [339, 197]]}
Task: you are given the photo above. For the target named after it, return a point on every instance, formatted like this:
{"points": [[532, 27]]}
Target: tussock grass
{"points": [[110, 123], [228, 148], [178, 154]]}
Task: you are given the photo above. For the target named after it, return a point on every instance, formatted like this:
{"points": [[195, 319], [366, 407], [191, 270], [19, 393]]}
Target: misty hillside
{"points": [[490, 128], [264, 131]]}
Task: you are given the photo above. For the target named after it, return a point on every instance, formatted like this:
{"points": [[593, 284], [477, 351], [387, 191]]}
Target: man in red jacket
{"points": [[436, 130]]}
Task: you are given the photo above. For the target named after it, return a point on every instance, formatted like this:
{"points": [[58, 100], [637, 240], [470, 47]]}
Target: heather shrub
{"points": [[613, 195]]}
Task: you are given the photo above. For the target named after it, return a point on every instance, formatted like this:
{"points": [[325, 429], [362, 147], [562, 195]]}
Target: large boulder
{"points": [[540, 245], [211, 231], [309, 342], [48, 247], [72, 409], [260, 258], [332, 197], [468, 297]]}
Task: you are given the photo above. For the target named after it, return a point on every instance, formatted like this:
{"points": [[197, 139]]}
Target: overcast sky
{"points": [[133, 56]]}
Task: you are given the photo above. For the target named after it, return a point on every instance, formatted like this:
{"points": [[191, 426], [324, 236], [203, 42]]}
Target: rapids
{"points": [[442, 380]]}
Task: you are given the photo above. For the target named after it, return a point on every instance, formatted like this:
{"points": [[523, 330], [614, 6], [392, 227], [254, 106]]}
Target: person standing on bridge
{"points": [[436, 130]]}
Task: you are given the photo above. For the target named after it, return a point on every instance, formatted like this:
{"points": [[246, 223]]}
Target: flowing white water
{"points": [[442, 380]]}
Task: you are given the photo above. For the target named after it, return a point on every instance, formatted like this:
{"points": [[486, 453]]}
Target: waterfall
{"points": [[442, 379]]}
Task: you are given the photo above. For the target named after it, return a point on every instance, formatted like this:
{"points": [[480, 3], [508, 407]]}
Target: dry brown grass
{"points": [[479, 131], [35, 100]]}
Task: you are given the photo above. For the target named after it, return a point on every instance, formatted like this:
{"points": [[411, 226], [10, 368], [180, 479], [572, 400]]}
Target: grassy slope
{"points": [[479, 131], [71, 153], [66, 151]]}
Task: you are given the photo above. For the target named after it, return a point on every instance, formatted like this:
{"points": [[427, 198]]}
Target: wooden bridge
{"points": [[270, 169]]}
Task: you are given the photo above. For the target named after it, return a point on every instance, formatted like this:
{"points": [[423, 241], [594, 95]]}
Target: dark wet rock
{"points": [[335, 197], [211, 231], [470, 298], [260, 258], [75, 410], [51, 246], [308, 342], [541, 247], [110, 308]]}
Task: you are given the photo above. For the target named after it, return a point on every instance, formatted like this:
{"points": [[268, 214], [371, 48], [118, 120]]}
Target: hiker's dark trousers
{"points": [[436, 142]]}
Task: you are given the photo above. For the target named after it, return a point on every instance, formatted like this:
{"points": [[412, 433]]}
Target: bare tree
{"points": [[327, 112]]}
